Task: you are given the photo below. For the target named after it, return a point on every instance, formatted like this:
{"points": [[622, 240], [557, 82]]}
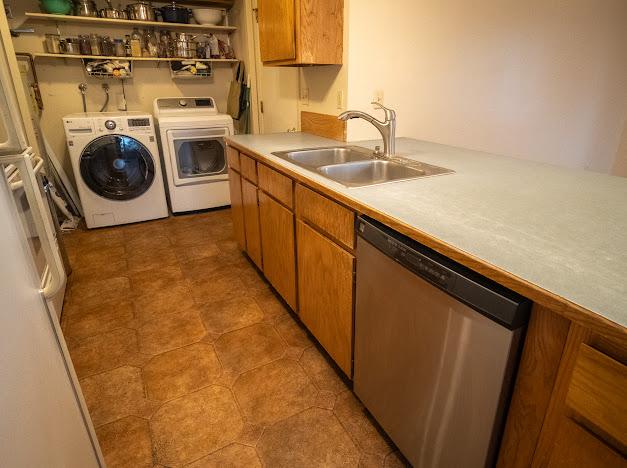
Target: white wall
{"points": [[537, 79]]}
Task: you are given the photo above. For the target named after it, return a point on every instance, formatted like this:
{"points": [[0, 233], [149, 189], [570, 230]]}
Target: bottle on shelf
{"points": [[152, 43], [127, 45], [136, 43]]}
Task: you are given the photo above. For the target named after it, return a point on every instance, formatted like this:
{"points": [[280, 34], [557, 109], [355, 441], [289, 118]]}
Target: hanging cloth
{"points": [[238, 85]]}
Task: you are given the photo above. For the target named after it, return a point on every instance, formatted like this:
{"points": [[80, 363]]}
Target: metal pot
{"points": [[85, 8], [142, 11], [175, 14], [113, 13]]}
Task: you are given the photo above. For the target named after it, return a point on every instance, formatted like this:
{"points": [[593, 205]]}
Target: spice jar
{"points": [[72, 46], [120, 50], [95, 41], [84, 44], [53, 43], [108, 47]]}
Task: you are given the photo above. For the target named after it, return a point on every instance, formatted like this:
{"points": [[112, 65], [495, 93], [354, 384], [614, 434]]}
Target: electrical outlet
{"points": [[340, 99], [304, 96], [377, 96]]}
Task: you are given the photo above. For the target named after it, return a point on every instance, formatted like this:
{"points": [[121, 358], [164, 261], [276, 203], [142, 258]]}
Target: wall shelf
{"points": [[123, 22], [130, 59]]}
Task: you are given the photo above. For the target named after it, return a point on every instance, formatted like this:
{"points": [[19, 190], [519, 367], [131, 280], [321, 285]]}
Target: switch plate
{"points": [[304, 96], [377, 96]]}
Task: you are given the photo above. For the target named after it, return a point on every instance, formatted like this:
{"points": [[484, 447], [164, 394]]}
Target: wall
{"points": [[59, 79], [620, 164], [537, 79]]}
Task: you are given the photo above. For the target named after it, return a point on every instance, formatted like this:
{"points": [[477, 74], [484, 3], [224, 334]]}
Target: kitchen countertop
{"points": [[562, 230]]}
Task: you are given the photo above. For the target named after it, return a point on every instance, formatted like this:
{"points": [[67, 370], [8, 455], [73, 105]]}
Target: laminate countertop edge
{"points": [[561, 305]]}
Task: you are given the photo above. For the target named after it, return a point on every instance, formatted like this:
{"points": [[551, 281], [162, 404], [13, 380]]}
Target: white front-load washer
{"points": [[116, 165], [194, 152]]}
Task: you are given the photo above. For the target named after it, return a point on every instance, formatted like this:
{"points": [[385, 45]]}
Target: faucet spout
{"points": [[386, 127]]}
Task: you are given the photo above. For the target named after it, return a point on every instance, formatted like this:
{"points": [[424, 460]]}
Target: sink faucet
{"points": [[387, 128]]}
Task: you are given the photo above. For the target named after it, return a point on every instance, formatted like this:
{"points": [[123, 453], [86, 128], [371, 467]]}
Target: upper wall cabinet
{"points": [[301, 32]]}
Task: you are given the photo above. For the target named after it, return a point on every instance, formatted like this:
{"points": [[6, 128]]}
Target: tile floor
{"points": [[187, 358]]}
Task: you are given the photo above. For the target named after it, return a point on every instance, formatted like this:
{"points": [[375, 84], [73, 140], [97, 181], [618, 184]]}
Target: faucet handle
{"points": [[389, 113]]}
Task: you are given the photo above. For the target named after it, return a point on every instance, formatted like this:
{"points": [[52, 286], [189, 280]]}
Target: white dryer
{"points": [[194, 152], [115, 159]]}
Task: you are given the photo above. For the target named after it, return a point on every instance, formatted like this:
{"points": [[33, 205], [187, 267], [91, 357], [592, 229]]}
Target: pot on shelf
{"points": [[175, 14], [142, 11], [56, 7], [112, 13], [85, 8]]}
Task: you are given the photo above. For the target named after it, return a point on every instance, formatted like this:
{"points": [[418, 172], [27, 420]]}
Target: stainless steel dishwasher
{"points": [[436, 346]]}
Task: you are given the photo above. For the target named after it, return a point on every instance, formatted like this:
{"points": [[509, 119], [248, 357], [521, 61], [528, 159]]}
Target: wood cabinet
{"points": [[325, 289], [586, 420], [278, 249], [237, 208], [251, 222], [301, 32]]}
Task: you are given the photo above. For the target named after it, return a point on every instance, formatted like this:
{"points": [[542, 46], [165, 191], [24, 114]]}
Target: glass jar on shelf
{"points": [[95, 41], [84, 44], [120, 50], [108, 47]]}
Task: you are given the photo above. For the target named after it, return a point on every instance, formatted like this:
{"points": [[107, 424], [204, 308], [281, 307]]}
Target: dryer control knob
{"points": [[182, 103], [110, 124]]}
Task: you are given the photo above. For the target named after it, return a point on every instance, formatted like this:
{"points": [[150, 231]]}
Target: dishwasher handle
{"points": [[496, 302]]}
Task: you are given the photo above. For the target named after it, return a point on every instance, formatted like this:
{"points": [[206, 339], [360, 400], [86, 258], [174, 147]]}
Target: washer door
{"points": [[117, 167]]}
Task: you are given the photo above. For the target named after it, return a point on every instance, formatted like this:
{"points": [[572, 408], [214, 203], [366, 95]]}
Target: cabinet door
{"points": [[237, 210], [325, 293], [277, 246], [277, 29], [251, 222]]}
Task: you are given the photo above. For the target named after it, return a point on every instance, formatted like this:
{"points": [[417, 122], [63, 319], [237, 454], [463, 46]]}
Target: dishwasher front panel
{"points": [[433, 372]]}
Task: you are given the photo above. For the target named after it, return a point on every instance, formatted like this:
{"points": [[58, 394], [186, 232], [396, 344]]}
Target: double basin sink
{"points": [[354, 166]]}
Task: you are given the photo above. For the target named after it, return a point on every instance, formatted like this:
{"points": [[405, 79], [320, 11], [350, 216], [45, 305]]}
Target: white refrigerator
{"points": [[43, 417]]}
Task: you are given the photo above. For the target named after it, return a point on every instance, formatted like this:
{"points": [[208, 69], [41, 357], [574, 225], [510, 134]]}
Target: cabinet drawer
{"points": [[248, 167], [276, 184], [324, 213], [232, 157], [597, 393]]}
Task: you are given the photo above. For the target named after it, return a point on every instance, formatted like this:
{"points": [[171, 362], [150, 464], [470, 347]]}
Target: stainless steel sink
{"points": [[362, 173], [354, 166], [317, 157]]}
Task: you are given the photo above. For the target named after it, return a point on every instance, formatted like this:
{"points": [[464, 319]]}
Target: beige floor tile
{"points": [[126, 443], [146, 241], [190, 234], [188, 253], [181, 371], [252, 279], [195, 425], [88, 294], [176, 297], [273, 308], [220, 288], [143, 260], [355, 420], [98, 320], [231, 456], [249, 347], [116, 394], [369, 460], [151, 228], [230, 253], [273, 392], [203, 270], [224, 316], [293, 333], [321, 372], [170, 332], [91, 263], [313, 438], [157, 279], [105, 351]]}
